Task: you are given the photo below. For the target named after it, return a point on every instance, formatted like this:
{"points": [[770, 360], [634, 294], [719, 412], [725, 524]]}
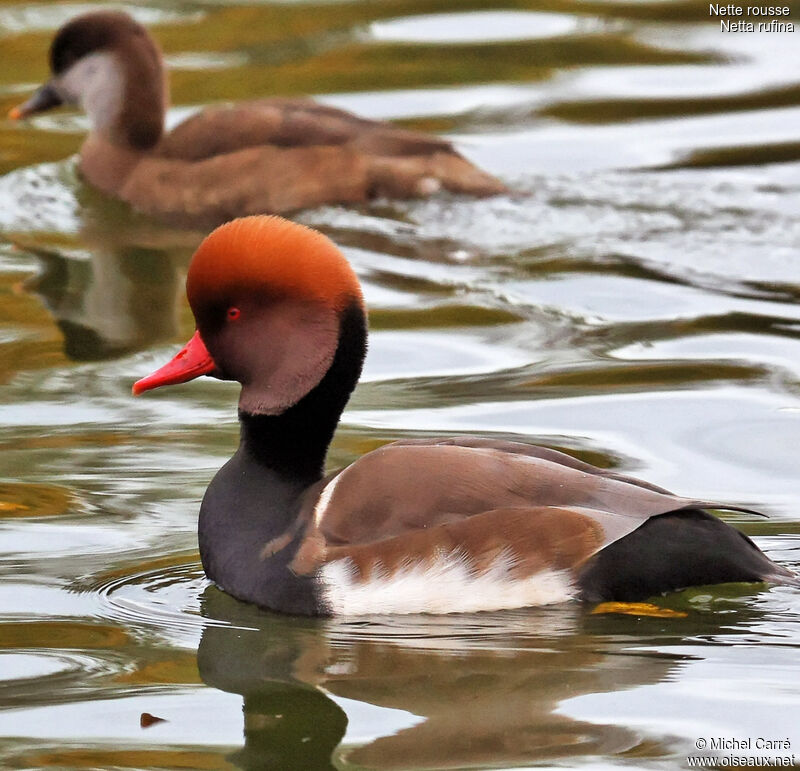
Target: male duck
{"points": [[430, 526], [266, 156]]}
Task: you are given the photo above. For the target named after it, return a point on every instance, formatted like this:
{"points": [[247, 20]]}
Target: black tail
{"points": [[674, 551]]}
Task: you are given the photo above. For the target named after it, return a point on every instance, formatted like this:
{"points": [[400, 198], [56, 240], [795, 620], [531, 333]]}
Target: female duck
{"points": [[272, 155], [436, 526]]}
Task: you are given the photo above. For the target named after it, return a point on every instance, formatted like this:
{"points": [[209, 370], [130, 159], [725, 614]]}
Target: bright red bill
{"points": [[194, 360]]}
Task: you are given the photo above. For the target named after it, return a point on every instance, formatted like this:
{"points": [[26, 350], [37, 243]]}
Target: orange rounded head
{"points": [[270, 298], [269, 255]]}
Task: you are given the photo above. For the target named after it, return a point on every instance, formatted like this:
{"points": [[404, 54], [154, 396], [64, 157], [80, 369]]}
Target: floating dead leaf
{"points": [[638, 609], [146, 720]]}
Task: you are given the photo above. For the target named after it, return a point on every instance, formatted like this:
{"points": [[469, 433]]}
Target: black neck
{"points": [[294, 444]]}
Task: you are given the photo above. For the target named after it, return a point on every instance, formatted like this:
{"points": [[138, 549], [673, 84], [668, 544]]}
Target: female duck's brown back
{"points": [[264, 156]]}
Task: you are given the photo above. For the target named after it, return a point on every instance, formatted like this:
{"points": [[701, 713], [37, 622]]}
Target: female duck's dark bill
{"points": [[192, 361], [43, 99]]}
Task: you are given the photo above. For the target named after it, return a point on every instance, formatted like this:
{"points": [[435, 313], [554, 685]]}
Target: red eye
{"points": [[233, 314]]}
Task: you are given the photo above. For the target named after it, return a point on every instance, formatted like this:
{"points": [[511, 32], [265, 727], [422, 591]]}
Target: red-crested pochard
{"points": [[431, 526], [266, 156]]}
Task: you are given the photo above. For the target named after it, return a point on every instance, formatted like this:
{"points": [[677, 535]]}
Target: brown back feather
{"points": [[290, 123]]}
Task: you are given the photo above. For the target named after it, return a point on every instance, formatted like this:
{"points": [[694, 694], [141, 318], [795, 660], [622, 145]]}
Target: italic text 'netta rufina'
{"points": [[423, 526], [266, 156]]}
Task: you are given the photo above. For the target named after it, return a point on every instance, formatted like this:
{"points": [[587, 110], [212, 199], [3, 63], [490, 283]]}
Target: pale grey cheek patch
{"points": [[96, 84]]}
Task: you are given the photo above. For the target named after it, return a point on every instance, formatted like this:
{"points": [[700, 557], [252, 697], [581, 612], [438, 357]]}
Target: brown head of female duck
{"points": [[448, 525], [266, 156]]}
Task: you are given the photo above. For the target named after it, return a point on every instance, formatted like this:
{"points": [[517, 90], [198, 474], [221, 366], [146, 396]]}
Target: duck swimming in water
{"points": [[421, 526], [266, 156]]}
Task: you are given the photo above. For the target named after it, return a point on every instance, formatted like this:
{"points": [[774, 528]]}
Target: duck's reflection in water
{"points": [[482, 690], [117, 301], [119, 288]]}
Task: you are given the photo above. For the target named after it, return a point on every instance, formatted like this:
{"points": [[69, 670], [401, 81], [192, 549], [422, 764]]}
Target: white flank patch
{"points": [[325, 498], [447, 584]]}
